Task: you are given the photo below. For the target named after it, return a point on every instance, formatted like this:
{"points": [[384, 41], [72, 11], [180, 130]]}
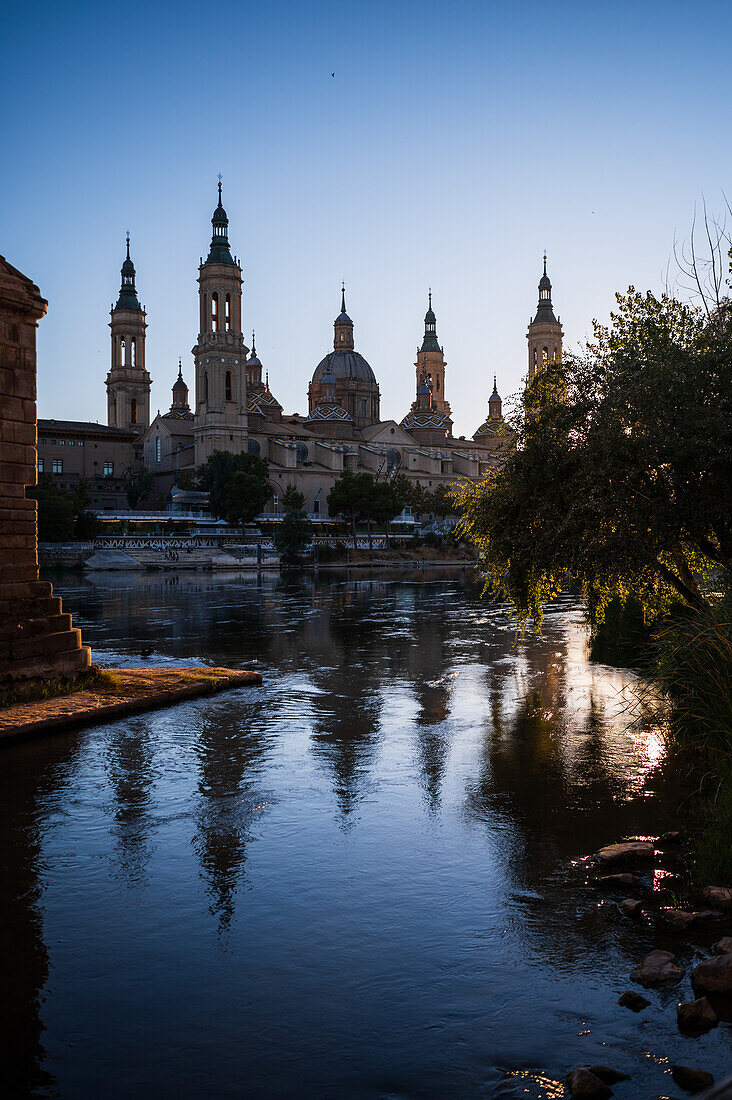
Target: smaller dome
{"points": [[343, 319], [429, 317], [254, 360], [179, 384], [128, 268]]}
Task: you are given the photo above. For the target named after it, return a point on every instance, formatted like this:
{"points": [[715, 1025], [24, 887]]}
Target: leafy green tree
{"points": [[137, 484], [387, 501], [217, 473], [55, 511], [351, 496], [622, 474], [293, 534], [244, 497], [412, 493], [442, 501]]}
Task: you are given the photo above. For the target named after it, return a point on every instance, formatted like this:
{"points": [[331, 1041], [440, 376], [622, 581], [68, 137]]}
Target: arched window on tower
{"points": [[133, 411], [227, 385], [437, 384], [123, 351], [227, 313], [205, 386], [544, 356], [536, 360], [556, 354], [215, 312], [133, 352]]}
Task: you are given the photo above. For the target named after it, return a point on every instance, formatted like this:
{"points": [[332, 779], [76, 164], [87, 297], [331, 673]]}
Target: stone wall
{"points": [[36, 638]]}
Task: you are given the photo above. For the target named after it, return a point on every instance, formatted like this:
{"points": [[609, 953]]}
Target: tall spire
{"points": [[545, 311], [343, 297], [430, 327], [127, 293], [219, 252]]}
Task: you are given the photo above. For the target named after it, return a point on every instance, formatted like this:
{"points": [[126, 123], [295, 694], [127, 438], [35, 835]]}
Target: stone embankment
{"points": [[122, 692]]}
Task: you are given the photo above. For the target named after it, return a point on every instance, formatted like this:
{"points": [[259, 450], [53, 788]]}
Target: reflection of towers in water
{"points": [[129, 766], [427, 668], [230, 747], [357, 658], [531, 757], [24, 964]]}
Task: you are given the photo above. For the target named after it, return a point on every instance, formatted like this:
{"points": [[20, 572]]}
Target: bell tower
{"points": [[431, 363], [545, 331], [220, 353], [128, 383]]}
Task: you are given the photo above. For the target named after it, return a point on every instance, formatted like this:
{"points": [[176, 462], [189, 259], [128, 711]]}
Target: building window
{"points": [[57, 465], [40, 465], [535, 358], [363, 408], [133, 352], [133, 404], [123, 351], [80, 443], [62, 442], [316, 507], [71, 443], [227, 385], [108, 469], [215, 312], [544, 356], [227, 313], [158, 449], [205, 386]]}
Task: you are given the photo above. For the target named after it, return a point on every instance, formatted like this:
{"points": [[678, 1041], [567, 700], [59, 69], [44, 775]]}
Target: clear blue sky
{"points": [[455, 142]]}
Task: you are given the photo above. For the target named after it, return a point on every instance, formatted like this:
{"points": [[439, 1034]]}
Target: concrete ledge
{"points": [[133, 691]]}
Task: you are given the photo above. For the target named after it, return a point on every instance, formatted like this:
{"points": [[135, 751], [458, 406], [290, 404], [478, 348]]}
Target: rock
{"points": [[636, 1002], [630, 907], [713, 975], [584, 1085], [612, 882], [723, 946], [692, 1080], [719, 897], [630, 851], [608, 1075], [709, 914], [659, 968], [696, 1015], [677, 918]]}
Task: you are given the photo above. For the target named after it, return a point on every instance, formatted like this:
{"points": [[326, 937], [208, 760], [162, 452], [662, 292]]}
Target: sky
{"points": [[455, 142]]}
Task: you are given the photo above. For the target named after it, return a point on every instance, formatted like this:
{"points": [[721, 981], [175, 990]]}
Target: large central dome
{"points": [[344, 378], [345, 366]]}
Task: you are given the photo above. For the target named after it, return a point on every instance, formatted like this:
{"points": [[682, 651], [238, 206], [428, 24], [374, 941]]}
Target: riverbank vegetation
{"points": [[621, 484]]}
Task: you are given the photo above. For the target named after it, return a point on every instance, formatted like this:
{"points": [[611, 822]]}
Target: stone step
{"points": [[50, 624], [44, 645]]}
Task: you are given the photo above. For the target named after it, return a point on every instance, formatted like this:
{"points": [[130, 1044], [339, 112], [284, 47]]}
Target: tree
{"points": [[442, 502], [293, 534], [137, 484], [387, 501], [244, 497], [63, 515], [622, 474], [352, 496], [217, 473]]}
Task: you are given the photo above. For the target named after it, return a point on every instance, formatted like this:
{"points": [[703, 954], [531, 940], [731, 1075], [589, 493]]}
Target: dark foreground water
{"points": [[355, 881]]}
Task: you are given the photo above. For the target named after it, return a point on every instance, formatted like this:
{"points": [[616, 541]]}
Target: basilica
{"points": [[235, 410]]}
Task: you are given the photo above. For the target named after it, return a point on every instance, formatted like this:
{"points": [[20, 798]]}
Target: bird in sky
{"points": [[332, 74]]}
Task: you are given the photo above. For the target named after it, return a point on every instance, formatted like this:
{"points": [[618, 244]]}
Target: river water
{"points": [[355, 881]]}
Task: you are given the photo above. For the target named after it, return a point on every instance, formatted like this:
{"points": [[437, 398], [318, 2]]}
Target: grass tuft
{"points": [[35, 691]]}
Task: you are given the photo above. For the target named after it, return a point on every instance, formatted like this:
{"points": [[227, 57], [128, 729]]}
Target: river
{"points": [[358, 880]]}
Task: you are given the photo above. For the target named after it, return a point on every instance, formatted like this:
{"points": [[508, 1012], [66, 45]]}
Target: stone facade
{"points": [[72, 451], [36, 638]]}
